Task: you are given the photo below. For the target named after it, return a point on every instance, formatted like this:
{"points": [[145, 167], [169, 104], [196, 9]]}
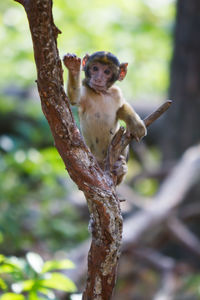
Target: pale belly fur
{"points": [[98, 130]]}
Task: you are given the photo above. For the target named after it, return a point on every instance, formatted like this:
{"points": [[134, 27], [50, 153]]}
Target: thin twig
{"points": [[155, 259]]}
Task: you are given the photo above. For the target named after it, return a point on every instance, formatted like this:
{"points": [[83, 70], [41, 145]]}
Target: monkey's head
{"points": [[102, 69]]}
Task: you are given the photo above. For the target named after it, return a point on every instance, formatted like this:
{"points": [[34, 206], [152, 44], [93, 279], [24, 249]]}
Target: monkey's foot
{"points": [[120, 169]]}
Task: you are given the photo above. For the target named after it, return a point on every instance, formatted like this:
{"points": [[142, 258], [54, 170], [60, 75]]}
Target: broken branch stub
{"points": [[157, 113]]}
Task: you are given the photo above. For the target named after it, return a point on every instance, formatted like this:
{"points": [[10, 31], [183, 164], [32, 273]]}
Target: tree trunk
{"points": [[99, 190], [183, 120]]}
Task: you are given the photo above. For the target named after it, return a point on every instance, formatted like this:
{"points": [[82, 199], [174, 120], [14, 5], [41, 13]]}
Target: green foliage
{"points": [[32, 193], [32, 278], [137, 31], [190, 288], [12, 296], [33, 183]]}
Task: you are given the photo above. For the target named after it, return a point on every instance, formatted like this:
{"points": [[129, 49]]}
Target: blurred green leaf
{"points": [[12, 296], [58, 281], [47, 292], [35, 261], [26, 285], [34, 296], [57, 265], [8, 267], [2, 258], [146, 187], [3, 285]]}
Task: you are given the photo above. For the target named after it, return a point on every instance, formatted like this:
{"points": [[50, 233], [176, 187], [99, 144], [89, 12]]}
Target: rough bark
{"points": [[103, 204], [183, 122]]}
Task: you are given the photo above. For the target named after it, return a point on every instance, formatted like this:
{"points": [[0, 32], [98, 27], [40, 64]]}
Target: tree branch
{"points": [[184, 236], [183, 176], [168, 287], [155, 259], [122, 138], [157, 113]]}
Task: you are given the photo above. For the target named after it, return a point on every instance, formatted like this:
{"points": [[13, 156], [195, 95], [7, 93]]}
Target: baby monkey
{"points": [[101, 104]]}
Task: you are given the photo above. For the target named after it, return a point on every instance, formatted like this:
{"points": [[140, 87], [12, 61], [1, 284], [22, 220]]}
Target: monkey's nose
{"points": [[98, 80]]}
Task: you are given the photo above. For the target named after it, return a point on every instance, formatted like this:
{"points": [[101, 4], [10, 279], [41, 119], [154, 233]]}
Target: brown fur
{"points": [[100, 108]]}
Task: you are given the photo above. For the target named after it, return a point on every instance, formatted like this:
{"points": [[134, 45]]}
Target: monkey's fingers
{"points": [[71, 57], [72, 62]]}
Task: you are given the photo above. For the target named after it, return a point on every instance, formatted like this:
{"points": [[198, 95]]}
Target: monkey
{"points": [[101, 103]]}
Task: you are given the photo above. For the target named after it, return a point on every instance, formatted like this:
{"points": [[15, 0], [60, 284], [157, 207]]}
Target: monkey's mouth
{"points": [[98, 87]]}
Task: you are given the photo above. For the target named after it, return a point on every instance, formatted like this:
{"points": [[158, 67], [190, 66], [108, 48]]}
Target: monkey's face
{"points": [[101, 76]]}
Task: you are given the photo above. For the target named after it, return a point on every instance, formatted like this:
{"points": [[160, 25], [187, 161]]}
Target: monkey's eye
{"points": [[95, 68], [107, 71]]}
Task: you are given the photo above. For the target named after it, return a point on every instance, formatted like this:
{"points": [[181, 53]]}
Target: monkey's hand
{"points": [[72, 63], [134, 124], [120, 169], [137, 128]]}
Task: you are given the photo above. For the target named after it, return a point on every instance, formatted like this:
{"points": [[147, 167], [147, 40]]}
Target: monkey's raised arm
{"points": [[73, 64], [134, 124]]}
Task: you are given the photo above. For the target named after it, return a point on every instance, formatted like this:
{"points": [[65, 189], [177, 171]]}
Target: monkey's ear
{"points": [[84, 60], [122, 71]]}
